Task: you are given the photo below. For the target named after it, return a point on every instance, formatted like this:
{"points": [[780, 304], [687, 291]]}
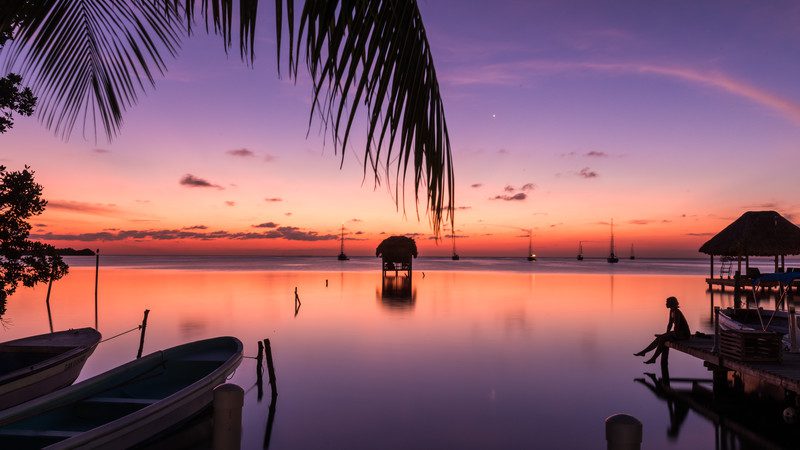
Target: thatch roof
{"points": [[397, 248], [756, 233]]}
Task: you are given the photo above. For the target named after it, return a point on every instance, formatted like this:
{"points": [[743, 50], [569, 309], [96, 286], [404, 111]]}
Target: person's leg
{"points": [[660, 346], [650, 347]]}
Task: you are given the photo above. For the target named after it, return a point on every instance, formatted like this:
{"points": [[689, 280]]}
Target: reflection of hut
{"points": [[397, 293], [396, 253], [755, 233]]}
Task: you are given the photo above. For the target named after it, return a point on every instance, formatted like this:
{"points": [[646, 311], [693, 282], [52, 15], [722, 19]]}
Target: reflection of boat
{"points": [[580, 251], [612, 258], [126, 405], [37, 365], [633, 256], [531, 255], [342, 256]]}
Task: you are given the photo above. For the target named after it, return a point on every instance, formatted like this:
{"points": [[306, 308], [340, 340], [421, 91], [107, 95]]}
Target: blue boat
{"points": [[127, 405]]}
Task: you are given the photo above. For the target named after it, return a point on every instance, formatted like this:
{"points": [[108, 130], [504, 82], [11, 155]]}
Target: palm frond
{"points": [[376, 54], [90, 60]]}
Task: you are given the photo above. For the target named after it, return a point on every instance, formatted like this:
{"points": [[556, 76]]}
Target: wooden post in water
{"points": [[47, 301], [96, 277], [228, 402], [270, 368], [737, 301], [712, 268], [623, 432], [143, 326], [792, 329], [259, 370]]}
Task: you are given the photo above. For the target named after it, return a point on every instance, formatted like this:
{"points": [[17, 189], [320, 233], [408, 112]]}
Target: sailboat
{"points": [[342, 256], [455, 256], [612, 258], [580, 251], [632, 255], [531, 255]]}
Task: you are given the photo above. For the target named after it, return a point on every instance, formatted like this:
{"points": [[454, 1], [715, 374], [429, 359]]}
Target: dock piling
{"points": [[623, 432], [96, 279], [260, 370], [228, 402], [47, 300], [716, 329], [143, 326], [270, 367]]}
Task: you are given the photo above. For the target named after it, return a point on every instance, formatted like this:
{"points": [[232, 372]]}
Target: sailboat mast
{"points": [[530, 243], [612, 236], [342, 245]]}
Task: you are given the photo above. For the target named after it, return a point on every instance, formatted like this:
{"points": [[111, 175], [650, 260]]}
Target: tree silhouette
{"points": [[21, 260], [91, 59]]}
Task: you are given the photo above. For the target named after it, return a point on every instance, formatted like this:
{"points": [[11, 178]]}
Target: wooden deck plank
{"points": [[785, 374]]}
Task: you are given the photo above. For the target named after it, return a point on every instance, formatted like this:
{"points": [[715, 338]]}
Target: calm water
{"points": [[496, 354]]}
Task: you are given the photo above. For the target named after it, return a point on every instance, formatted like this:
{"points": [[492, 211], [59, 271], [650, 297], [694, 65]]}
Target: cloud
{"points": [[517, 196], [700, 234], [287, 233], [241, 152], [230, 203], [355, 220], [266, 225], [359, 232], [193, 181], [463, 208], [269, 158], [596, 154], [509, 188], [273, 199], [516, 72], [101, 151], [99, 209], [640, 222], [587, 173], [287, 214], [528, 187], [195, 227], [476, 185], [503, 151]]}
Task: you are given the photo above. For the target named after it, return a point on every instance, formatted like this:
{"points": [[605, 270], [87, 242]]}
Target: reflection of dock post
{"points": [[623, 432], [47, 301], [716, 329], [737, 299], [96, 279], [259, 370], [143, 326], [228, 402]]}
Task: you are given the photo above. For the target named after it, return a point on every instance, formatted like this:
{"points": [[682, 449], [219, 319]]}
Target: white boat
{"points": [[127, 405], [751, 319], [37, 365]]}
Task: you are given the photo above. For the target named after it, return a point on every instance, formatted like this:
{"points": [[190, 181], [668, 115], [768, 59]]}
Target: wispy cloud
{"points": [[195, 227], [99, 209], [587, 173], [266, 225], [508, 198], [230, 203], [193, 181], [700, 234], [101, 151], [241, 152], [273, 199], [476, 185], [514, 73], [640, 222], [463, 208], [596, 154]]}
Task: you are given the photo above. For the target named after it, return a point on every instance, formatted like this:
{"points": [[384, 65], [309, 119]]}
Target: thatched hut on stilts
{"points": [[755, 233], [396, 253]]}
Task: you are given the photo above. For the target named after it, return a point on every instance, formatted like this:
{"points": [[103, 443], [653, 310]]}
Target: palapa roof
{"points": [[397, 248], [756, 233]]}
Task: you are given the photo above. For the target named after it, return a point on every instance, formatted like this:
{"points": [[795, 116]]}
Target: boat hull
{"points": [[747, 319], [48, 375], [127, 405]]}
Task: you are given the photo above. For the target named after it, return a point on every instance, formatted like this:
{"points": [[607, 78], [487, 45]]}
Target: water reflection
{"points": [[397, 292]]}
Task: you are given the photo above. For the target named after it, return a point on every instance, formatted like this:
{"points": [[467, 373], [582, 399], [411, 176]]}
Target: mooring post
{"points": [[792, 330], [716, 329], [228, 402], [47, 300], [96, 278], [270, 367], [737, 301], [623, 432], [143, 326], [326, 282], [259, 370]]}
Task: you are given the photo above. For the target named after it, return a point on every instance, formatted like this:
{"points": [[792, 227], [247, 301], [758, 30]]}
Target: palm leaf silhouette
{"points": [[90, 60]]}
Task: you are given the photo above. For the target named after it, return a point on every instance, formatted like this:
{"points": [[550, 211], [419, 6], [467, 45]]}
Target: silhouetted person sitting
{"points": [[677, 330]]}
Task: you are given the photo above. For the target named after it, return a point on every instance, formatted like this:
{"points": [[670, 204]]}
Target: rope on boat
{"points": [[137, 327]]}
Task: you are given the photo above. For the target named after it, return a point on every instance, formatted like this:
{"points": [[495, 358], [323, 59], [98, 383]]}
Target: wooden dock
{"points": [[785, 374], [745, 283]]}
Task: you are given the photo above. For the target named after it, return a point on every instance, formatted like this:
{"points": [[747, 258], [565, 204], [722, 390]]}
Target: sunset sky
{"points": [[672, 118]]}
